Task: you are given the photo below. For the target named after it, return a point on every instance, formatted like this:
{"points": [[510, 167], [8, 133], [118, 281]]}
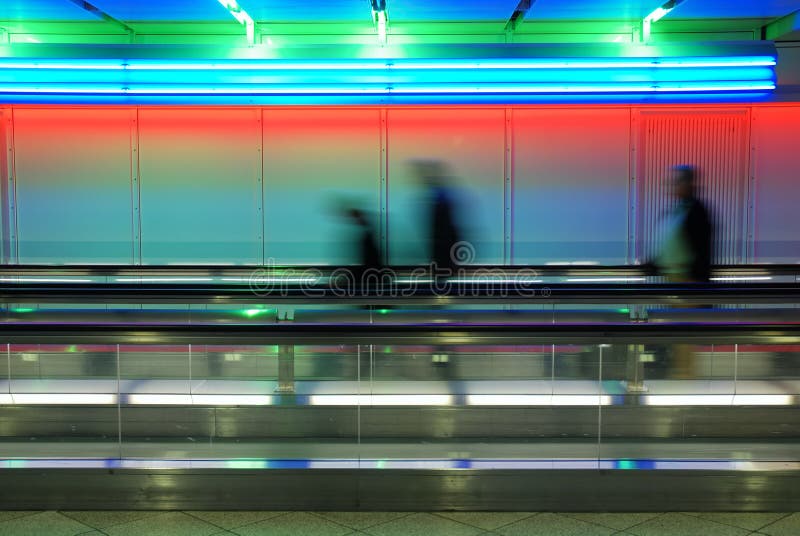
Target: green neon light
{"points": [[22, 310], [251, 313], [383, 311], [626, 464]]}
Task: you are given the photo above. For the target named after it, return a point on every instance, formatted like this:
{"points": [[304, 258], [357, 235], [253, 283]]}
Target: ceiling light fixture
{"points": [[380, 19], [241, 15], [658, 14]]}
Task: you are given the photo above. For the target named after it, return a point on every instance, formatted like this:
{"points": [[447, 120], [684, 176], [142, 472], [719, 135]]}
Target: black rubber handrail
{"points": [[381, 334], [421, 294]]}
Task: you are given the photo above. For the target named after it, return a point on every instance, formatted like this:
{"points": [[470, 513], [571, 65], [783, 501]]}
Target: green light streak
{"points": [[251, 313]]}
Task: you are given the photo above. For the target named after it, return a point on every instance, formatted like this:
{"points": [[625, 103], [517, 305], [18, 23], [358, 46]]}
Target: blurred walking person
{"points": [[687, 251]]}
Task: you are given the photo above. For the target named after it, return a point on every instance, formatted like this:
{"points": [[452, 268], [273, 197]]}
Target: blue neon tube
{"points": [[227, 81]]}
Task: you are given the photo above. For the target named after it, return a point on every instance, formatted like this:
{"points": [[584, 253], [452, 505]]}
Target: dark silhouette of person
{"points": [[368, 254], [445, 232], [686, 255]]}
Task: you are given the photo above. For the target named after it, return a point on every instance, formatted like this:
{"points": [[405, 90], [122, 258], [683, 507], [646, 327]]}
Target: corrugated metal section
{"points": [[716, 142]]}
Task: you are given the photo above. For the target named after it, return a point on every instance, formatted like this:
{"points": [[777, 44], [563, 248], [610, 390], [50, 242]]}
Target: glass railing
{"points": [[583, 399]]}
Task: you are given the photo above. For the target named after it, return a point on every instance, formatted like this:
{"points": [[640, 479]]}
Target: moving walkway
{"points": [[199, 394]]}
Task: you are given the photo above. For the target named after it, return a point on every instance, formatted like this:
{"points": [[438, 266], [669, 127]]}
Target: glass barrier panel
{"points": [[61, 402]]}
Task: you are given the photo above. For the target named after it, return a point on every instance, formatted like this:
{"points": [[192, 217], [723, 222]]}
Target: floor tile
{"points": [[361, 520], [616, 521], [674, 524], [423, 524], [164, 524], [294, 524], [49, 523], [100, 519], [231, 520], [745, 520], [486, 520], [14, 514], [788, 526], [553, 525]]}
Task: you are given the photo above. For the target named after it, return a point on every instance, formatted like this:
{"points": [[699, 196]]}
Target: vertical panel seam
{"points": [[750, 201], [261, 150], [138, 190], [133, 174], [630, 232], [6, 174], [383, 191], [508, 188], [12, 191]]}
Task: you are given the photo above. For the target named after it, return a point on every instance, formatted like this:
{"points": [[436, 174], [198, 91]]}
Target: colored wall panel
{"points": [[7, 246], [84, 175], [73, 185], [314, 161], [571, 173], [200, 170], [471, 142], [777, 184]]}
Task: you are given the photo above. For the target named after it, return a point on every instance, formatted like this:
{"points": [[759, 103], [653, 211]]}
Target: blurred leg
{"points": [[682, 354]]}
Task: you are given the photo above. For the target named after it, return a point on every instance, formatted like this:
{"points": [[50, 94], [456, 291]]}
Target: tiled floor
{"points": [[142, 523]]}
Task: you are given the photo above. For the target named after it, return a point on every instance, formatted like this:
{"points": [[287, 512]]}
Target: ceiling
{"points": [[65, 21]]}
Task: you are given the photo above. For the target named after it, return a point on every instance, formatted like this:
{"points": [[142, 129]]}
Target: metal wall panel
{"points": [[471, 141], [776, 135], [8, 250], [315, 161], [570, 185], [73, 185], [788, 67], [200, 192], [716, 143]]}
